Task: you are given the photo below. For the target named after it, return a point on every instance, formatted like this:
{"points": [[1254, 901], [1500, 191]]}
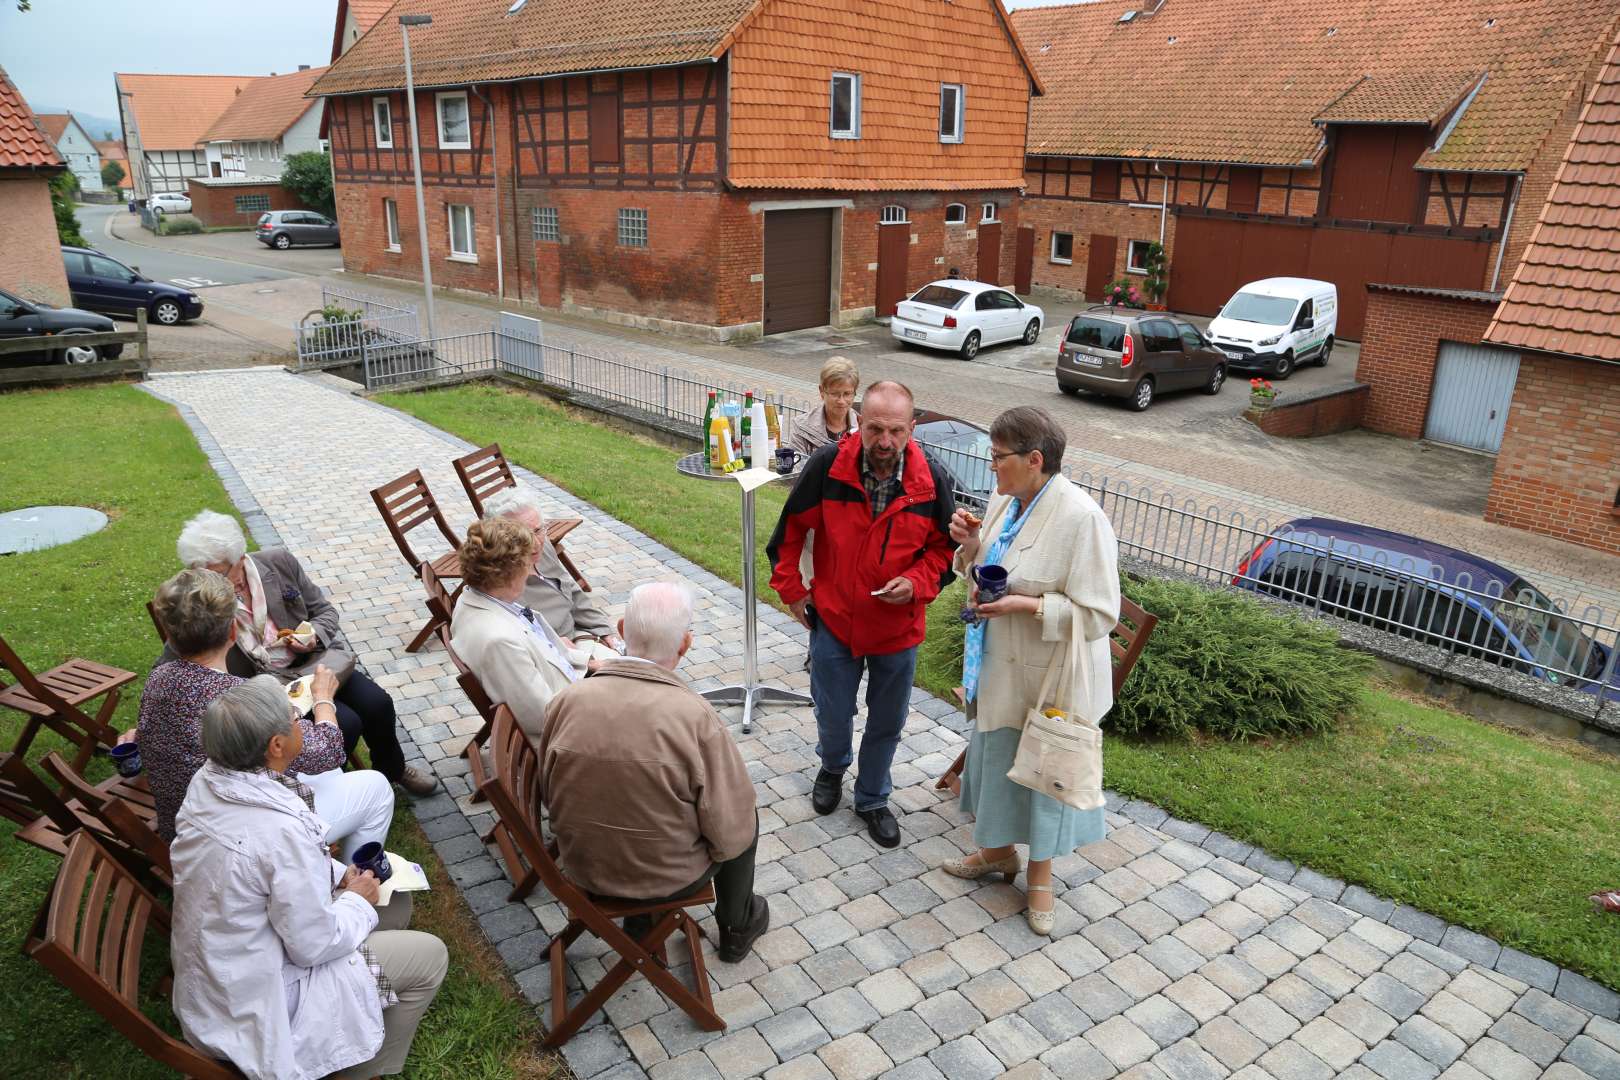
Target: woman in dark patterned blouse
{"points": [[198, 611]]}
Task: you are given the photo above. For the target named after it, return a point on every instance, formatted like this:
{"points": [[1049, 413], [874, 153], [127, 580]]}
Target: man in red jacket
{"points": [[881, 513]]}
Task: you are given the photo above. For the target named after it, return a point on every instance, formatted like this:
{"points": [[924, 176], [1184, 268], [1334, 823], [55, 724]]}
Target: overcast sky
{"points": [[62, 54]]}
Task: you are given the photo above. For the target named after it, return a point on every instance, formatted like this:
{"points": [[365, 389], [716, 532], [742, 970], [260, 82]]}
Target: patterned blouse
{"points": [[170, 730]]}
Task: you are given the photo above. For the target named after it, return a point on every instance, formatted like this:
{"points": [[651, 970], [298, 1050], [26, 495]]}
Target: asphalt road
{"points": [[173, 263]]}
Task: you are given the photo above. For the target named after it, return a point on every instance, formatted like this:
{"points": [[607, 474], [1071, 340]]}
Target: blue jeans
{"points": [[835, 678]]}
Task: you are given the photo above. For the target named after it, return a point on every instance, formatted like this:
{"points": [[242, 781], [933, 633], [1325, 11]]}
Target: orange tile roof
{"points": [[265, 108], [54, 123], [477, 41], [1406, 97], [1565, 294], [23, 143], [173, 111], [111, 150], [1242, 80], [367, 12]]}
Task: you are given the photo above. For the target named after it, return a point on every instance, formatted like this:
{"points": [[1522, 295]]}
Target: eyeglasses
{"points": [[997, 455]]}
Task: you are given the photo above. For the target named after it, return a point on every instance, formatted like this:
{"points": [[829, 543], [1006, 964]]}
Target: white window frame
{"points": [[987, 214], [391, 223], [962, 220], [1130, 250], [854, 130], [470, 254], [382, 118], [635, 227], [1053, 253], [955, 135], [893, 214], [545, 225], [438, 115]]}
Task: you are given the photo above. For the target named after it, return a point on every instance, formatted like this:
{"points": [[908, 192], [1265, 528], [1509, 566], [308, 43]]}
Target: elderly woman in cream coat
{"points": [[1062, 561]]}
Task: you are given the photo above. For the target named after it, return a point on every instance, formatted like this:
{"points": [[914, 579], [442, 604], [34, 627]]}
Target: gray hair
{"points": [[511, 501], [239, 724], [1026, 428], [210, 539], [656, 620]]}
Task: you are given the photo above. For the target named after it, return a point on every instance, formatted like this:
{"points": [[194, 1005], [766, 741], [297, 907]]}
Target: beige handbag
{"points": [[1061, 757]]}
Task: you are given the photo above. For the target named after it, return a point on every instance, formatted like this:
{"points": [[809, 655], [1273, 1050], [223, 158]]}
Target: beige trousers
{"points": [[415, 964]]}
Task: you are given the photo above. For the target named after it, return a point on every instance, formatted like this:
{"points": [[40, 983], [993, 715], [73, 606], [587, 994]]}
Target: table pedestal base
{"points": [[748, 697]]}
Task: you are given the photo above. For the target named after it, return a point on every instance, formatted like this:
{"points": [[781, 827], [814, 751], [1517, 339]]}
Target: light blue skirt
{"points": [[1007, 813]]}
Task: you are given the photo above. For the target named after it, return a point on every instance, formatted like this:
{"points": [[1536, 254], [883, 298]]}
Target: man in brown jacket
{"points": [[647, 794]]}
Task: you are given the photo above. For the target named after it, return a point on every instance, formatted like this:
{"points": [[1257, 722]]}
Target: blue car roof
{"points": [[1449, 560]]}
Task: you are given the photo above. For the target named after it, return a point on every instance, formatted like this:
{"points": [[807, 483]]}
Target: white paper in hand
{"points": [[407, 877]]}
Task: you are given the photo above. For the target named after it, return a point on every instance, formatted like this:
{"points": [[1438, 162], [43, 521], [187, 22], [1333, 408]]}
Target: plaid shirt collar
{"points": [[882, 492]]}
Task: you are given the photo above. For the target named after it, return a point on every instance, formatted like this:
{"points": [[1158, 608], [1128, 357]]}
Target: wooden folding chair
{"points": [[157, 624], [1125, 644], [441, 605], [53, 699], [486, 471], [48, 819], [514, 791], [404, 504], [129, 823], [26, 799], [90, 934], [479, 698]]}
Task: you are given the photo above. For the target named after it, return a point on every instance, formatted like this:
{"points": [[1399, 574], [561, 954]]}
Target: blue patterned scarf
{"points": [[973, 649]]}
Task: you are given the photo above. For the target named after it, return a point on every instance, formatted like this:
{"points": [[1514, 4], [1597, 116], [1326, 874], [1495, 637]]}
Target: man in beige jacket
{"points": [[647, 794]]}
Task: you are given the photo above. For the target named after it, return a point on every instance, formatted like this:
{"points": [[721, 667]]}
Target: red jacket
{"points": [[855, 554]]}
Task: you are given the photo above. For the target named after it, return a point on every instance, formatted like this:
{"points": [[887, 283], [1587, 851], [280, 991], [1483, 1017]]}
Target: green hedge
{"points": [[1218, 662], [179, 225]]}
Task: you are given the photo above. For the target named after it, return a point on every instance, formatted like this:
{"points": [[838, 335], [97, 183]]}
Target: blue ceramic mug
{"points": [[372, 857], [992, 586], [126, 758]]}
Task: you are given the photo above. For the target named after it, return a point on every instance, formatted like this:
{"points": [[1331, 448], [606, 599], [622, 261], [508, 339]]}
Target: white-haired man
{"points": [[551, 592], [681, 811]]}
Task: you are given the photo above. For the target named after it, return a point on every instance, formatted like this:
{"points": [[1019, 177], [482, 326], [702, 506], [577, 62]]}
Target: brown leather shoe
{"points": [[417, 782]]}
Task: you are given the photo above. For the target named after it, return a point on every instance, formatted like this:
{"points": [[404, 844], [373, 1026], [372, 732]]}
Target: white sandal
{"points": [[1041, 921], [973, 871]]}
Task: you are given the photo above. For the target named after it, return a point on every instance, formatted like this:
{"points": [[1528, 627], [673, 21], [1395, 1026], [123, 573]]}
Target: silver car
{"points": [[282, 229]]}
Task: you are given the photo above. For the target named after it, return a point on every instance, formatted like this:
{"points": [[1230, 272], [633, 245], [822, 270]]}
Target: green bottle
{"points": [[708, 423], [748, 428]]}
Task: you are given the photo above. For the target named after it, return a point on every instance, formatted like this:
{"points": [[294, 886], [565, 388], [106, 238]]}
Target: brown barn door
{"points": [[1100, 265], [798, 269], [990, 252], [1024, 261], [894, 249]]}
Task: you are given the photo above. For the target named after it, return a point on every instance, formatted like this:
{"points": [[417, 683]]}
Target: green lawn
{"points": [[129, 455], [1497, 831]]}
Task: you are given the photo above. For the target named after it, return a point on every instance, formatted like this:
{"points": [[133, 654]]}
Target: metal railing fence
{"points": [[376, 323], [454, 356]]}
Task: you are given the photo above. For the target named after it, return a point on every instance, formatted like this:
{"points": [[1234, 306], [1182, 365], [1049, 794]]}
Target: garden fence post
{"points": [[140, 342], [666, 390], [570, 367]]}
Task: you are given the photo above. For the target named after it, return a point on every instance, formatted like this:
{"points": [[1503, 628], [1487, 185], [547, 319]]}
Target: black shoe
{"points": [[734, 944], [828, 790], [881, 824]]}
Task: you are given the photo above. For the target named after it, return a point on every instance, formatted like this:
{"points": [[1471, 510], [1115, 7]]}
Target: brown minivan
{"points": [[1136, 355]]}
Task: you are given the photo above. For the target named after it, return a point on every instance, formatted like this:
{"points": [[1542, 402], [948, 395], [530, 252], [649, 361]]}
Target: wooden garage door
{"points": [[1473, 390], [798, 269]]}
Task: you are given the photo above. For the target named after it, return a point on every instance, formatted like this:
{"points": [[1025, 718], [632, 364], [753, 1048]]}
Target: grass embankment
{"points": [[1500, 832], [128, 455]]}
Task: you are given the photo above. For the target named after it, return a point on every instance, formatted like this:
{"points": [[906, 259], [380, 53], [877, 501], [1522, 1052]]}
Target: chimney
{"points": [[303, 67]]}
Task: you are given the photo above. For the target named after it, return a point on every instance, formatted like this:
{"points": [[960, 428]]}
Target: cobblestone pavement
{"points": [[1179, 952]]}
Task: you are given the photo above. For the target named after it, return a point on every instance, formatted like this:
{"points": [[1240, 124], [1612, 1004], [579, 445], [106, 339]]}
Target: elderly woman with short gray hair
{"points": [[283, 963], [197, 609], [275, 597]]}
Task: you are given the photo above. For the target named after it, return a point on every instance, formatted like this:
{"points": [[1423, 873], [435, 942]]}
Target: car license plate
{"points": [[1088, 361], [913, 333], [1230, 355]]}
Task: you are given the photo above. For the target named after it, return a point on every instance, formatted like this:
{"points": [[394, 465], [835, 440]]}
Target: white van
{"points": [[1277, 324]]}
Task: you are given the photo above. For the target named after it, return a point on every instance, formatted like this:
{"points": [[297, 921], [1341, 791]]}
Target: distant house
{"points": [[164, 119], [354, 18], [270, 119], [76, 146], [113, 150], [30, 254], [737, 168]]}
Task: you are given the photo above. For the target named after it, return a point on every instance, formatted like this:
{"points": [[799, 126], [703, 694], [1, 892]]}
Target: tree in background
{"points": [[63, 188], [309, 177], [112, 174]]}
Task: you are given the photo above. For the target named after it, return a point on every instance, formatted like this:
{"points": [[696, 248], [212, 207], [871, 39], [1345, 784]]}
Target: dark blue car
{"points": [[1428, 592], [101, 283]]}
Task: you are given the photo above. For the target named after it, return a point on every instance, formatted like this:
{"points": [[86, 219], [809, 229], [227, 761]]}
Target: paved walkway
{"points": [[1178, 953]]}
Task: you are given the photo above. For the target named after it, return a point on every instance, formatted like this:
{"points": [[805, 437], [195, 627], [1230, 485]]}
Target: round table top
{"points": [[697, 464]]}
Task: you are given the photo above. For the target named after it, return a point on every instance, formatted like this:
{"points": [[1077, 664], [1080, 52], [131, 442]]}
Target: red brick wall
{"points": [[1082, 219], [1319, 416], [365, 235], [216, 206], [30, 254], [1400, 342], [1558, 472]]}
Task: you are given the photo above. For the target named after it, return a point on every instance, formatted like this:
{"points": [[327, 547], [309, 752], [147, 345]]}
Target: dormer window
{"points": [[383, 117], [950, 112], [845, 106]]}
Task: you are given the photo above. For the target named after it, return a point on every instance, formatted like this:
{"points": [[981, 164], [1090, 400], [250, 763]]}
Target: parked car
{"points": [[21, 318], [1428, 592], [961, 446], [282, 229], [1136, 355], [961, 316], [1277, 324], [102, 283], [170, 202]]}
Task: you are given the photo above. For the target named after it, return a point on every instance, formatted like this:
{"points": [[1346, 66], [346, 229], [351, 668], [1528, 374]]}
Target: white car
{"points": [[963, 315], [170, 202]]}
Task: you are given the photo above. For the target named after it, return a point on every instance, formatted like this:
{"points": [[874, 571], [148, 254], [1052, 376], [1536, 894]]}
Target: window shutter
{"points": [[1243, 189], [1105, 179], [605, 149]]}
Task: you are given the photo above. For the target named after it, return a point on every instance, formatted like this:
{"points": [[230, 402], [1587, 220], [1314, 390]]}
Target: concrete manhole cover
{"points": [[35, 528]]}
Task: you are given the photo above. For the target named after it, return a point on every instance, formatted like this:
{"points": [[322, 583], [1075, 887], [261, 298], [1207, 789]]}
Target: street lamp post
{"points": [[405, 24]]}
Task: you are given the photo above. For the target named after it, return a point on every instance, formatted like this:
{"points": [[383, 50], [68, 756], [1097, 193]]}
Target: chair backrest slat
{"points": [[1128, 639], [88, 940], [438, 597], [157, 624], [406, 503], [514, 792], [484, 472], [110, 949], [29, 682], [126, 822]]}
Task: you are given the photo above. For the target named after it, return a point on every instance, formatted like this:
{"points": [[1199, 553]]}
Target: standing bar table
{"points": [[750, 690]]}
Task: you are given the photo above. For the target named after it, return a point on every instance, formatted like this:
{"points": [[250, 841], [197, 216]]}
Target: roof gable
{"points": [[1565, 293], [54, 124], [173, 111], [1269, 68], [23, 143], [265, 108]]}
